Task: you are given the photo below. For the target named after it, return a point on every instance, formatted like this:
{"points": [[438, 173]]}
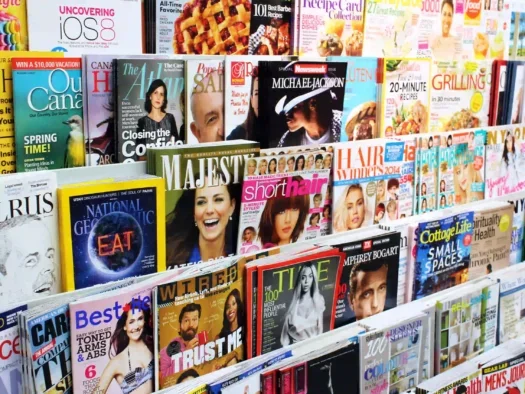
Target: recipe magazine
{"points": [[199, 323], [280, 286], [200, 172], [372, 183], [282, 205]]}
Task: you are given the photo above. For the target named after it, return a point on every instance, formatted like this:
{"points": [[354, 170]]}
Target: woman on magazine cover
{"points": [[304, 318], [509, 163], [445, 46], [281, 169], [381, 190], [248, 130], [314, 222], [327, 162], [272, 166], [201, 225], [310, 162], [157, 118], [248, 237], [251, 166], [464, 176], [299, 163], [350, 211], [131, 364], [263, 167], [232, 318], [283, 218]]}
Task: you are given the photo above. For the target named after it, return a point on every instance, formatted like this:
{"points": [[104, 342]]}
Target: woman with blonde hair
{"points": [[281, 168], [310, 162], [350, 211], [381, 190], [464, 177], [263, 167], [251, 166], [304, 318]]}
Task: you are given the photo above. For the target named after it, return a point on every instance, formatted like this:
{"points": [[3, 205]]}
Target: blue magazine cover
{"points": [[50, 351], [443, 253], [359, 107]]}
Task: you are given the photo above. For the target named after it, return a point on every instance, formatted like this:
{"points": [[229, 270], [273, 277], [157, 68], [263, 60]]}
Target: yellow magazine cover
{"points": [[7, 128], [111, 230]]}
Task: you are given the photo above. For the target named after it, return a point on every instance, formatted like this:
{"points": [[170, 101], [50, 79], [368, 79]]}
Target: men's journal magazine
{"points": [[201, 324], [301, 102], [149, 105], [283, 202], [112, 339], [442, 253], [281, 307], [373, 183], [111, 231], [203, 197], [29, 211]]}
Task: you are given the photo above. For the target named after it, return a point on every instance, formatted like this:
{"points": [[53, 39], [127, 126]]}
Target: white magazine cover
{"points": [[28, 211], [283, 200], [511, 304], [83, 27]]}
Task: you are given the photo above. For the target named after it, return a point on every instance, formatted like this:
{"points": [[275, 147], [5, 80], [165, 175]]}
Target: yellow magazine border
{"points": [[105, 186]]}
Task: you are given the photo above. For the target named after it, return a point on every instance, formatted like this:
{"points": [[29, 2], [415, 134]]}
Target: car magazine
{"points": [[283, 200], [203, 197]]}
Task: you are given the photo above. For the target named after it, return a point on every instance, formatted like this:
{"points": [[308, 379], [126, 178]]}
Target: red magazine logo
{"points": [[367, 245], [238, 73], [473, 9], [310, 68]]}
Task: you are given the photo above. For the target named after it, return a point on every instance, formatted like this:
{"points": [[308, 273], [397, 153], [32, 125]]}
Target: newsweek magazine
{"points": [[112, 339], [504, 160], [201, 323], [148, 105], [283, 202], [280, 286], [370, 268], [11, 359], [442, 254], [373, 183], [293, 91], [193, 175]]}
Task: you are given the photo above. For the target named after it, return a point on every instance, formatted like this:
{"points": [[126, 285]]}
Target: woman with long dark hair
{"points": [[232, 317], [248, 129], [304, 318], [131, 353], [509, 162], [202, 224]]}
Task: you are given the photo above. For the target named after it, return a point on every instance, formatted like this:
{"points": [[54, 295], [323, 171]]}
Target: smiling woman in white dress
{"points": [[304, 318]]}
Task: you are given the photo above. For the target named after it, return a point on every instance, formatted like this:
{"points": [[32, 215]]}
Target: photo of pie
{"points": [[463, 119], [362, 122], [213, 27]]}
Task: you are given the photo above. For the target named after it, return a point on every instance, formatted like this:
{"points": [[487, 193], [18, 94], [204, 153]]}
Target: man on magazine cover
{"points": [[368, 288], [189, 327], [207, 110], [310, 117], [27, 269]]}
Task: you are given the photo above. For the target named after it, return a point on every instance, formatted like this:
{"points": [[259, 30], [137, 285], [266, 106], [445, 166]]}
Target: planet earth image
{"points": [[115, 243]]}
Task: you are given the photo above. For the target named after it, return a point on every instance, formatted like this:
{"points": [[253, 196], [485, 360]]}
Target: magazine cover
{"points": [[402, 283], [399, 350], [360, 112], [499, 92], [460, 94], [511, 306], [286, 289], [14, 19], [7, 129], [149, 106], [201, 324], [203, 198], [282, 205], [504, 161], [405, 100], [427, 186], [270, 27], [11, 360], [515, 82], [369, 279], [28, 208], [518, 231], [391, 28], [241, 95], [111, 231], [441, 30], [504, 377], [85, 26], [370, 184], [335, 29], [291, 92], [47, 102], [204, 118], [50, 349], [443, 253], [468, 167], [491, 238], [186, 27]]}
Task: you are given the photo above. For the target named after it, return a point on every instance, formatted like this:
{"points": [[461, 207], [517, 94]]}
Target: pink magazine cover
{"points": [[112, 348], [283, 200]]}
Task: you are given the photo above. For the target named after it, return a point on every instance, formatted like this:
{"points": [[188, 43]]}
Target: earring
{"points": [[231, 218], [195, 223]]}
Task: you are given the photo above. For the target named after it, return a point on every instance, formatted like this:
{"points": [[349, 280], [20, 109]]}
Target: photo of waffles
{"points": [[213, 27], [362, 122], [463, 119]]}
